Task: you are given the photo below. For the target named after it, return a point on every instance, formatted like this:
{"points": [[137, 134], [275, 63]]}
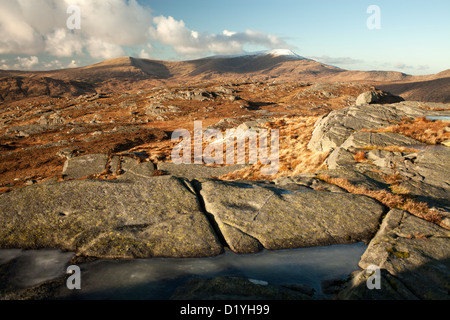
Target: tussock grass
{"points": [[294, 156], [393, 178], [389, 199], [420, 129]]}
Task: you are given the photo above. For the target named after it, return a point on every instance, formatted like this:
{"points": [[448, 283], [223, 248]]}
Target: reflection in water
{"points": [[157, 278]]}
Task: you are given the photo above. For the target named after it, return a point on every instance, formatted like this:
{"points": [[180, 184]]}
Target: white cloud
{"points": [[3, 64], [54, 64], [144, 54], [26, 63], [72, 64], [337, 60], [228, 33], [120, 22], [63, 43], [404, 66], [101, 49], [39, 27], [184, 41], [16, 34]]}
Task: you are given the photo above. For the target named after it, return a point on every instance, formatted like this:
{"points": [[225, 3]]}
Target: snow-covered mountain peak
{"points": [[274, 52]]}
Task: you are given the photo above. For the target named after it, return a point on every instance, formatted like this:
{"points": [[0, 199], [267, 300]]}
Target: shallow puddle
{"points": [[157, 278]]}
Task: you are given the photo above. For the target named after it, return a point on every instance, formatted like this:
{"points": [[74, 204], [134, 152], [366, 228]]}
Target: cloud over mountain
{"points": [[108, 29], [174, 33]]}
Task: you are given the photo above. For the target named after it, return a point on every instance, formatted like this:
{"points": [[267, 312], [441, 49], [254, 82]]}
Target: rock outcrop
{"points": [[154, 217], [414, 256], [333, 130]]}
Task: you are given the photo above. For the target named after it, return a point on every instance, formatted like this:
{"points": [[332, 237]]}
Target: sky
{"points": [[409, 36]]}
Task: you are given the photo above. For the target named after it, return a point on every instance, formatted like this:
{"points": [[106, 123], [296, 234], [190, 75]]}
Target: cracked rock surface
{"points": [[280, 219]]}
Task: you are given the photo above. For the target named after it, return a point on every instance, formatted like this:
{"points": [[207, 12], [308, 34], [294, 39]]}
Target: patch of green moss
{"points": [[398, 254]]}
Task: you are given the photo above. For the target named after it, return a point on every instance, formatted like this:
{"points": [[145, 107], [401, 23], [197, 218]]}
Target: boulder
{"points": [[375, 96], [367, 97], [281, 219], [158, 217], [85, 166]]}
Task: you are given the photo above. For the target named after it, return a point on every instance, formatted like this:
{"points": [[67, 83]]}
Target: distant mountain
{"points": [[273, 64], [286, 53], [130, 73], [435, 90]]}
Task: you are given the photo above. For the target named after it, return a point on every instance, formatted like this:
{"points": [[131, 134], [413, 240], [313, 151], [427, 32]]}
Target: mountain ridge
{"points": [[129, 73]]}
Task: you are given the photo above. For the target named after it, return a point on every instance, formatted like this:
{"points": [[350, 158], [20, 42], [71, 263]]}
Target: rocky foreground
{"points": [[189, 213]]}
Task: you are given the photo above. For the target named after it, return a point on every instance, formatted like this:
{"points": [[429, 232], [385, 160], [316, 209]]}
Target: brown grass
{"points": [[294, 156], [360, 156], [420, 129], [389, 199], [393, 178]]}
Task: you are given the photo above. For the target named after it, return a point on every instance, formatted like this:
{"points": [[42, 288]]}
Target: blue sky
{"points": [[414, 36]]}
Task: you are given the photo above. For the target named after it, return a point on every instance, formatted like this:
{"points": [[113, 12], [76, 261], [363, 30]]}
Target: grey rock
{"points": [[332, 131], [362, 139], [415, 257], [85, 166], [158, 217], [27, 130], [252, 125], [385, 159], [373, 96], [306, 182], [340, 157], [196, 171], [433, 166], [131, 168], [281, 219], [367, 98], [369, 180]]}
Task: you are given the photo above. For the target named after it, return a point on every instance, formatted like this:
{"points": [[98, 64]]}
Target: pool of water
{"points": [[157, 278], [443, 118]]}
